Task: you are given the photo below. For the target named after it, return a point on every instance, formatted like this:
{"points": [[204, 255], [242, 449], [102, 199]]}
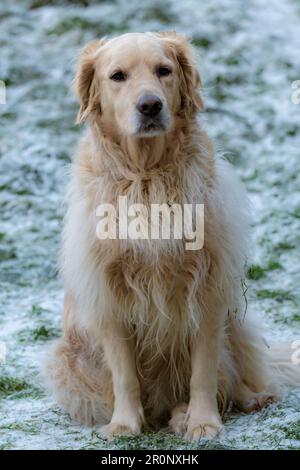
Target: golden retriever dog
{"points": [[153, 333]]}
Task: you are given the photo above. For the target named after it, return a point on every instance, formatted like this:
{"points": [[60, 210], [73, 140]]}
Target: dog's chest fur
{"points": [[156, 279]]}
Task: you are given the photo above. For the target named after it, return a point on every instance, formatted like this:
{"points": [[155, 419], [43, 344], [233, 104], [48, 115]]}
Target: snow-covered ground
{"points": [[249, 55]]}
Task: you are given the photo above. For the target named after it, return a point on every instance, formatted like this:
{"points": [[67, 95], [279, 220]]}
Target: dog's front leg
{"points": [[203, 418], [119, 352]]}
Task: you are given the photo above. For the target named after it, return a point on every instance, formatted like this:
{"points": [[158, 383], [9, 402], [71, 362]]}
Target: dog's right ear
{"points": [[85, 86]]}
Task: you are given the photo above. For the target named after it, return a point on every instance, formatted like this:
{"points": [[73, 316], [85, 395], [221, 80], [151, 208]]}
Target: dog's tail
{"points": [[284, 361], [273, 369]]}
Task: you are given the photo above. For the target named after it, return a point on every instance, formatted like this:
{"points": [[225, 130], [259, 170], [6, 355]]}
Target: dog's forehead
{"points": [[132, 48]]}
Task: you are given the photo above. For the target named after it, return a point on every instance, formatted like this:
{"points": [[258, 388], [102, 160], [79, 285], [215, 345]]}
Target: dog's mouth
{"points": [[151, 126]]}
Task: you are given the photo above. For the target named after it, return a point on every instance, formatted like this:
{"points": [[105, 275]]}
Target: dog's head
{"points": [[138, 83]]}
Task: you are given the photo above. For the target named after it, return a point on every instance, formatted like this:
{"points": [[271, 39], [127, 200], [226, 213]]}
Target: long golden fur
{"points": [[153, 332]]}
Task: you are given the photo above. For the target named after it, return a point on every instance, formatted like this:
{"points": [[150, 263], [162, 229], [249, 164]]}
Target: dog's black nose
{"points": [[149, 105]]}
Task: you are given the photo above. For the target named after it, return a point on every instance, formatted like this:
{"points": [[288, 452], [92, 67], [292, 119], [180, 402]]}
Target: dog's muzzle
{"points": [[151, 115]]}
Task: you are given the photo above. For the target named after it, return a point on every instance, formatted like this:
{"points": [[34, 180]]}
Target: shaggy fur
{"points": [[152, 331]]}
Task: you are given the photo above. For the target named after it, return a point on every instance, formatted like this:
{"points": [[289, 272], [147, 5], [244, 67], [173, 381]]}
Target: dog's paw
{"points": [[178, 421], [112, 430], [203, 424], [206, 430]]}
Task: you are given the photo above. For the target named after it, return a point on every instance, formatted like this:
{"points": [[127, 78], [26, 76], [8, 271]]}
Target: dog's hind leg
{"points": [[178, 421], [248, 401], [77, 377]]}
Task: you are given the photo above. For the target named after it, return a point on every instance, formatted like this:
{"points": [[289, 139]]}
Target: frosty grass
{"points": [[249, 55]]}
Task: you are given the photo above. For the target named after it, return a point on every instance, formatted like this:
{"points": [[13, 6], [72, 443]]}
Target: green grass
{"points": [[37, 310], [284, 246], [161, 12], [201, 41], [41, 3], [11, 385], [273, 265], [41, 333], [292, 431], [84, 25], [164, 440], [255, 272], [31, 428], [278, 295], [295, 317], [7, 254]]}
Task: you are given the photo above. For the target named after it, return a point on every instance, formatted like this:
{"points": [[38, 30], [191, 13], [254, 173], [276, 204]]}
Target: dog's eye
{"points": [[118, 76], [163, 71]]}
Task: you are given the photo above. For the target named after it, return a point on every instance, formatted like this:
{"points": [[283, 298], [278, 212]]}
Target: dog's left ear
{"points": [[190, 81], [85, 86]]}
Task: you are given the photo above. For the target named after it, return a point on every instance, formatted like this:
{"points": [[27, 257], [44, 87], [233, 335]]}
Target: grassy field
{"points": [[248, 57]]}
